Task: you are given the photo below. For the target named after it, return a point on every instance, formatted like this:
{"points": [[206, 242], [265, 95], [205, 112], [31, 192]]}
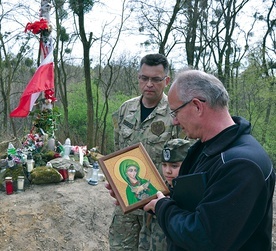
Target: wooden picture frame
{"points": [[127, 164]]}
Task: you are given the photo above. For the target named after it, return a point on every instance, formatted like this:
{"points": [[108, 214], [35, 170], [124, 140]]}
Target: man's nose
{"points": [[149, 83]]}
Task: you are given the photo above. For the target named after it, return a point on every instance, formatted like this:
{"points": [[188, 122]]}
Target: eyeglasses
{"points": [[154, 80], [175, 111]]}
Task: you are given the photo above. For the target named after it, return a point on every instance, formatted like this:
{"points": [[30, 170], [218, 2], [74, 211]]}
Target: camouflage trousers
{"points": [[135, 231], [152, 235]]}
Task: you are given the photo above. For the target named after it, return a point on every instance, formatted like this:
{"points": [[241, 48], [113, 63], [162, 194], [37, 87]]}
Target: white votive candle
{"points": [[20, 183]]}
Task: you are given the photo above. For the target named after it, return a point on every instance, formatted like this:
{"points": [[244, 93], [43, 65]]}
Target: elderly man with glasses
{"points": [[234, 175]]}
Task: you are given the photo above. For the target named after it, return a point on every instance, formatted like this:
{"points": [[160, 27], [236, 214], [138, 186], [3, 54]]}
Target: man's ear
{"points": [[199, 106], [168, 79]]}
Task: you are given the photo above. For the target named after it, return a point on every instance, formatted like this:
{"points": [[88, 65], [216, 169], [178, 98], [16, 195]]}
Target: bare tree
{"points": [[61, 78], [109, 75], [195, 13], [269, 62], [224, 25], [14, 52], [80, 7], [157, 22]]}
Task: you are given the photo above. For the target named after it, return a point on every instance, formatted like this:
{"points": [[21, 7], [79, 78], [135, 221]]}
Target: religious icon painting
{"points": [[132, 176]]}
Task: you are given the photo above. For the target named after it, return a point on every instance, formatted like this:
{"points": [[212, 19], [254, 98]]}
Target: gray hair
{"points": [[198, 84]]}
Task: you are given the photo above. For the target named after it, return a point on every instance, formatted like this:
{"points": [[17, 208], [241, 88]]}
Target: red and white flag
{"points": [[42, 80]]}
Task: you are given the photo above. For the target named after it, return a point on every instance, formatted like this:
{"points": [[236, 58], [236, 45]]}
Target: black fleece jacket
{"points": [[236, 210]]}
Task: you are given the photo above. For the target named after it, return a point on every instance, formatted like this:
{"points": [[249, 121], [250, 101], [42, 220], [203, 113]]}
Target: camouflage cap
{"points": [[175, 150]]}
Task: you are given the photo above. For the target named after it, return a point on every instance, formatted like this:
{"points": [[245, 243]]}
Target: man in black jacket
{"points": [[234, 211]]}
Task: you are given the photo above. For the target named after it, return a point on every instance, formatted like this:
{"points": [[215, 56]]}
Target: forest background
{"points": [[96, 62]]}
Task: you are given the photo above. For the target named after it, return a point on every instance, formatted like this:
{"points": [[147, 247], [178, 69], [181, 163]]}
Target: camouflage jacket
{"points": [[153, 132]]}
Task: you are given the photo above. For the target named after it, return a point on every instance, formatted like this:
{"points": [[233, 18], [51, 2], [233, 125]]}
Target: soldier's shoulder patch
{"points": [[158, 127]]}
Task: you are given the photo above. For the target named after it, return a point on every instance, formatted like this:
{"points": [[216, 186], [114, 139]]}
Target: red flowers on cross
{"points": [[37, 26]]}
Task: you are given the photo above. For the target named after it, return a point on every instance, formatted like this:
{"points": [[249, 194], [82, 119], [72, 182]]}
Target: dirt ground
{"points": [[63, 216]]}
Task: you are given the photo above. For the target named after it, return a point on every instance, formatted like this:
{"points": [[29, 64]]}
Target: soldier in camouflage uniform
{"points": [[144, 119]]}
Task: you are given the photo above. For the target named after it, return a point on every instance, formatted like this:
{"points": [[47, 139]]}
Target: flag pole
{"points": [[43, 79], [46, 41]]}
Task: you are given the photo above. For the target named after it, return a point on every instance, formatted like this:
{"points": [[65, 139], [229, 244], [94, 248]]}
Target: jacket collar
{"points": [[161, 108], [221, 141]]}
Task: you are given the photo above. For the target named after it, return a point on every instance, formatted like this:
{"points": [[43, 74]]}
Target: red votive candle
{"points": [[9, 185], [64, 173]]}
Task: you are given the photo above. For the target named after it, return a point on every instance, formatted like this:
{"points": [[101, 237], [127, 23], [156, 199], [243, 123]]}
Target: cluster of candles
{"points": [[9, 184], [68, 174]]}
